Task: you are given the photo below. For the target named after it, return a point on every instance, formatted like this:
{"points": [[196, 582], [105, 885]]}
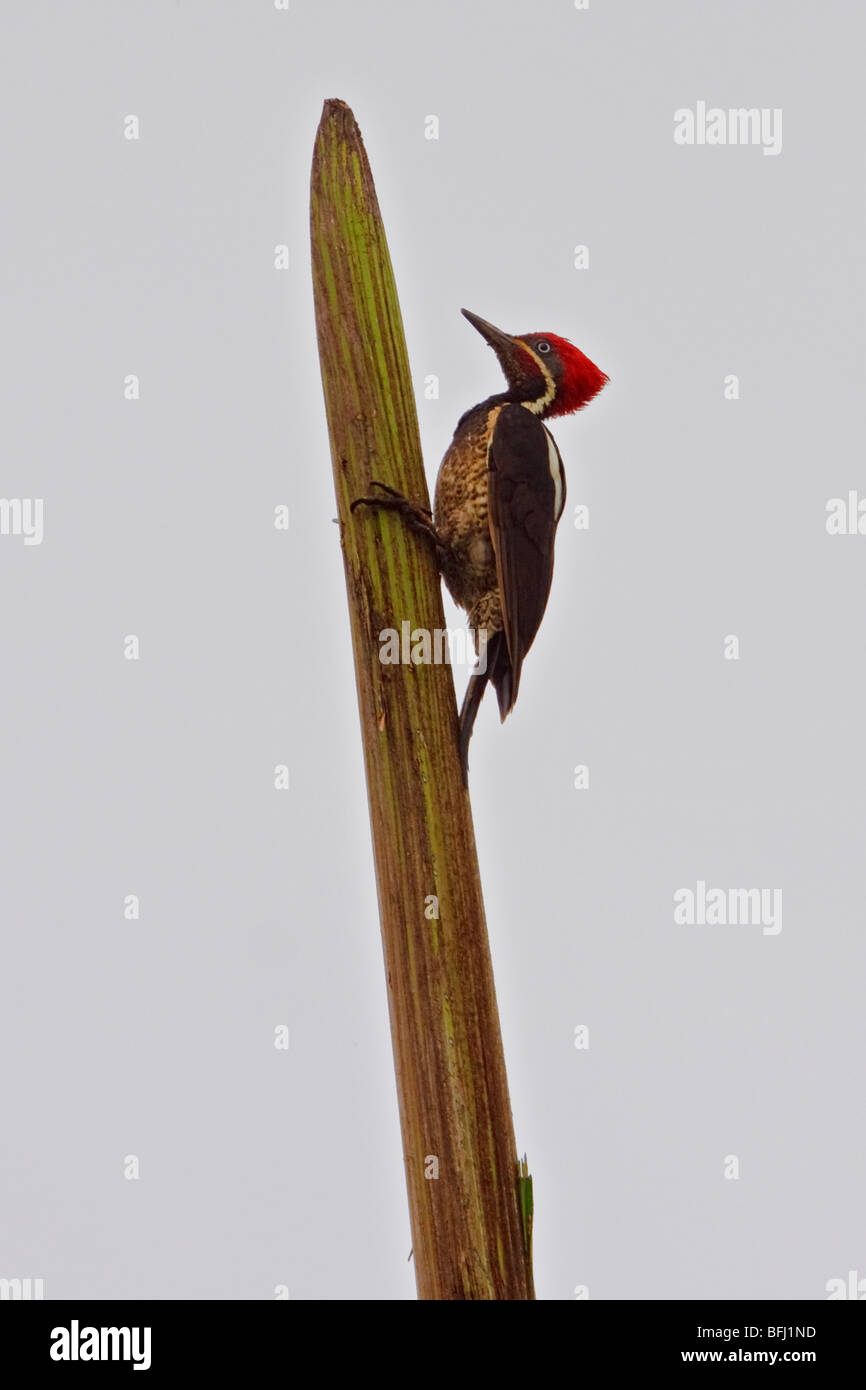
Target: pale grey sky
{"points": [[154, 257]]}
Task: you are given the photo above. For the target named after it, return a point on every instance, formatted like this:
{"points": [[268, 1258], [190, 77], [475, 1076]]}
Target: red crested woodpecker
{"points": [[500, 494]]}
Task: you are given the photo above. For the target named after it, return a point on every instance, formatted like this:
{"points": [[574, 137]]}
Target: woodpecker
{"points": [[500, 494]]}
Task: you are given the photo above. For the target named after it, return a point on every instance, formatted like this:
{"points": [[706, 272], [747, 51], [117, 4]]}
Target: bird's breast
{"points": [[460, 508]]}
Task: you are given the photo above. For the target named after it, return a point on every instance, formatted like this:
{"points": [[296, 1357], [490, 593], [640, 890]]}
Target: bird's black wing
{"points": [[526, 495]]}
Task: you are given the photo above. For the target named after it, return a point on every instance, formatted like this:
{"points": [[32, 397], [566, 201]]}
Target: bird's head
{"points": [[544, 372]]}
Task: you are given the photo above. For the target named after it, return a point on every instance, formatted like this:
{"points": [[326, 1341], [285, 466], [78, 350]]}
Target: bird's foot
{"points": [[419, 519], [392, 492]]}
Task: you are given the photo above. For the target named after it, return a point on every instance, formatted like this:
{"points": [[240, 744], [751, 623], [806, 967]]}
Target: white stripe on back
{"points": [[554, 463]]}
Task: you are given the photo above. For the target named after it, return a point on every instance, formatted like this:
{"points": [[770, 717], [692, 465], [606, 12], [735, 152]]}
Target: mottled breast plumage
{"points": [[461, 517]]}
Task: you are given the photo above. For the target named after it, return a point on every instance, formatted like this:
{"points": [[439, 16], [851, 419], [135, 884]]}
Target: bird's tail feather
{"points": [[498, 670]]}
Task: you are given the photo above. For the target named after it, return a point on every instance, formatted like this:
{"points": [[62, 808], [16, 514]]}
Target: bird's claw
{"points": [[392, 492]]}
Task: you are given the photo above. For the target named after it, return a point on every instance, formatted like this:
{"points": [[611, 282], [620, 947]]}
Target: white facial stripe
{"points": [[554, 463], [543, 401]]}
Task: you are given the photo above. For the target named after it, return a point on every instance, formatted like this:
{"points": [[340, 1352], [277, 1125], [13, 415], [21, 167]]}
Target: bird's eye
{"points": [[543, 347]]}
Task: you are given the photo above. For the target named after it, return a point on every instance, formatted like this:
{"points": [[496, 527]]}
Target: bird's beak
{"points": [[515, 362], [502, 343]]}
